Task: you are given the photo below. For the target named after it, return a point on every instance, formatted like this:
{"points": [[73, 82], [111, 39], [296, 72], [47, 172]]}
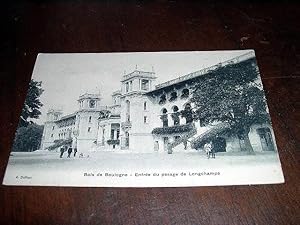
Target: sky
{"points": [[65, 76]]}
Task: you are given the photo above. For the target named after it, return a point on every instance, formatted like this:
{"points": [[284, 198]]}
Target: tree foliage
{"points": [[32, 103], [28, 139], [231, 94]]}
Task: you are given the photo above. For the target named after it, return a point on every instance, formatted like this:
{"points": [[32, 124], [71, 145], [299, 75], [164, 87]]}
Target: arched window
{"points": [[92, 103], [145, 105], [164, 117], [188, 113], [187, 106], [163, 99], [175, 108], [127, 110], [173, 96], [185, 93], [175, 115], [164, 111]]}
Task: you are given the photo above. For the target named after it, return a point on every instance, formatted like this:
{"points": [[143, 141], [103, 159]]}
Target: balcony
{"points": [[178, 129], [113, 142], [126, 125]]}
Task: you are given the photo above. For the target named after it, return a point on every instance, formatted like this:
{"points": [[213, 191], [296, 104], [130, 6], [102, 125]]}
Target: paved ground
{"points": [[122, 160], [48, 167]]}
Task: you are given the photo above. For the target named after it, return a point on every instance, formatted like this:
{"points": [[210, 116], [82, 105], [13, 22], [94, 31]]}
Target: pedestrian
{"points": [[66, 148], [156, 146], [69, 151], [62, 150], [213, 150], [207, 149], [169, 147], [185, 144], [75, 151]]}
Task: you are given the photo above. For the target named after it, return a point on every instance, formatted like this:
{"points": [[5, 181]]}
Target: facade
{"points": [[80, 127], [146, 117]]}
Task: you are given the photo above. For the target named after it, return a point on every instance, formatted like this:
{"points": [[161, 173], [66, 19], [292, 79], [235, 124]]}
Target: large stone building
{"points": [[146, 117], [80, 127]]}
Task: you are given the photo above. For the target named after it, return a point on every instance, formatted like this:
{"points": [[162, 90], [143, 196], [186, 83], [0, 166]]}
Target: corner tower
{"points": [[135, 109], [50, 133], [87, 121], [138, 82]]}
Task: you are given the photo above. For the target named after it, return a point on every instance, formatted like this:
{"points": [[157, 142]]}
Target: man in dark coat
{"points": [[69, 151], [213, 150], [62, 150]]}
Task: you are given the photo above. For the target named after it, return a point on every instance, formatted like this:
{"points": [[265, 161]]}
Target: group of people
{"points": [[67, 149], [210, 150]]}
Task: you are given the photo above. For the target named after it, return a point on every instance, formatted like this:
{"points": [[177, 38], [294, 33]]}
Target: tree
{"points": [[231, 94], [32, 103], [28, 139]]}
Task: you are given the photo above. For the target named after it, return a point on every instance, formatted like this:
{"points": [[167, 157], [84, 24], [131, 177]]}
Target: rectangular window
{"points": [[145, 85], [118, 134], [112, 132], [145, 119], [127, 86]]}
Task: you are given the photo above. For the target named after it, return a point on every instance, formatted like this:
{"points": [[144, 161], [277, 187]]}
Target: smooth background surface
{"points": [[272, 29]]}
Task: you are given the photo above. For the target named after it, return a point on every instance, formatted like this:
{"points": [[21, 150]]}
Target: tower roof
{"points": [[139, 73], [118, 92], [89, 96], [54, 111]]}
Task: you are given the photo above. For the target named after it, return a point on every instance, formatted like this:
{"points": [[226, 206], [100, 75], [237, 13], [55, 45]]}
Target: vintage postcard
{"points": [[145, 119]]}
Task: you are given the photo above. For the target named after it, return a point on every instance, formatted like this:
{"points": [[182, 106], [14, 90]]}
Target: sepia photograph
{"points": [[145, 119]]}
